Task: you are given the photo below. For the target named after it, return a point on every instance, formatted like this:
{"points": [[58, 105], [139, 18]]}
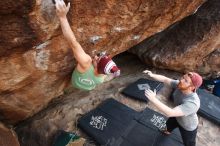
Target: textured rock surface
{"points": [[15, 32], [64, 111], [36, 62], [192, 44], [8, 137]]}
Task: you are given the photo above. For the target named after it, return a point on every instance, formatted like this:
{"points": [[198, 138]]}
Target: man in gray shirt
{"points": [[186, 102]]}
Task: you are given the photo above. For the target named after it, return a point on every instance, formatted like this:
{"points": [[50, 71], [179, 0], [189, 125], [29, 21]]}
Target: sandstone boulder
{"points": [[190, 45], [8, 137], [36, 63]]}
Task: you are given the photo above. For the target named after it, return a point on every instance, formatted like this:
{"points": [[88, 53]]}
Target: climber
{"points": [[88, 72], [186, 101]]}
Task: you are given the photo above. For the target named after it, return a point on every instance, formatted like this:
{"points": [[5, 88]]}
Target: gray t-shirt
{"points": [[189, 104]]}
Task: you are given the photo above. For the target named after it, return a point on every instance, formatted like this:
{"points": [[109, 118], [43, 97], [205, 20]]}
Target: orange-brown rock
{"points": [[36, 62], [190, 45], [8, 137], [16, 35]]}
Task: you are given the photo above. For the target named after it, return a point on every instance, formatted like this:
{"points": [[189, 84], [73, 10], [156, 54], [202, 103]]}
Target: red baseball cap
{"points": [[196, 79]]}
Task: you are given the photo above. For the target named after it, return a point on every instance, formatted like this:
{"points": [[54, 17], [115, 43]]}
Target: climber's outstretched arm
{"points": [[83, 59]]}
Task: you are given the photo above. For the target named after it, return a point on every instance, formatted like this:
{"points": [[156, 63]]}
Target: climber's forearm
{"points": [[67, 31]]}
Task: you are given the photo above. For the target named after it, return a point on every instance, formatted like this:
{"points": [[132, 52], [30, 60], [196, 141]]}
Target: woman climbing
{"points": [[88, 72]]}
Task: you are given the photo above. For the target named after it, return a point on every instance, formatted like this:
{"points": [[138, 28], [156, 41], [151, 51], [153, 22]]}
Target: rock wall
{"points": [[36, 62], [8, 137], [190, 45]]}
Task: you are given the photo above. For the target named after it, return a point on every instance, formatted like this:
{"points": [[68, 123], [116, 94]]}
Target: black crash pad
{"points": [[142, 135], [136, 90], [107, 121], [209, 106], [152, 119], [118, 125], [173, 139], [145, 131]]}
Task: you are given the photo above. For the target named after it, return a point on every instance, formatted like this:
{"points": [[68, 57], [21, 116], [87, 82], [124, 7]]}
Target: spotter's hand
{"points": [[149, 73], [151, 95]]}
